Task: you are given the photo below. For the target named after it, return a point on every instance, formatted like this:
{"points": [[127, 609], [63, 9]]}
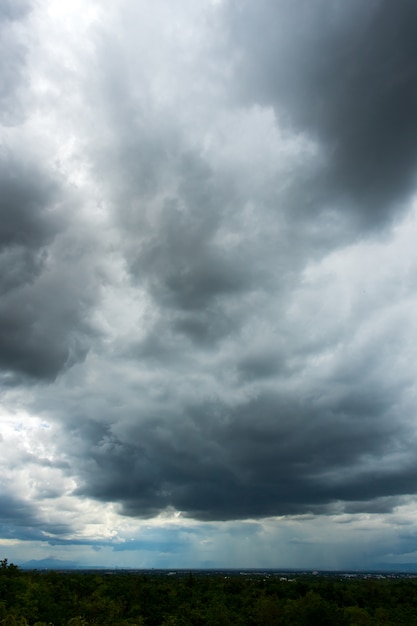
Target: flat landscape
{"points": [[204, 597]]}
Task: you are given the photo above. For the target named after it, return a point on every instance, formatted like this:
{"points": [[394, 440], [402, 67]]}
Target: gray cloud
{"points": [[44, 308], [211, 276], [271, 455], [12, 11], [186, 266], [222, 260], [346, 76], [13, 71], [28, 222], [38, 342], [21, 520]]}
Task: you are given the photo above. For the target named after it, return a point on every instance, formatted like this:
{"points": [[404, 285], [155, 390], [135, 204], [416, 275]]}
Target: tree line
{"points": [[35, 598]]}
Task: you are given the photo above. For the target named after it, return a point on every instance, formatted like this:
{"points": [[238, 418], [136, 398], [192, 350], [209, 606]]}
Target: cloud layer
{"points": [[208, 302]]}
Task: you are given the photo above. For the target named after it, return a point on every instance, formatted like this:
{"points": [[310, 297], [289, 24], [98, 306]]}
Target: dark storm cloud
{"points": [[272, 455], [222, 262], [26, 204], [43, 308], [346, 74], [178, 251], [15, 510], [188, 269], [260, 364], [37, 342], [330, 72], [234, 378], [21, 520], [183, 259]]}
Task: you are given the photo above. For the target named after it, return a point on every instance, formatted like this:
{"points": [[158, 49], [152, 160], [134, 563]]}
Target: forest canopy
{"points": [[89, 598]]}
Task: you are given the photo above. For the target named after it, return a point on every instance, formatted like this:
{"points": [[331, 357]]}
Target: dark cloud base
{"points": [[271, 456]]}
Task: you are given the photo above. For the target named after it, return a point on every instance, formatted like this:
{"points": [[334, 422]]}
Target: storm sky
{"points": [[208, 276]]}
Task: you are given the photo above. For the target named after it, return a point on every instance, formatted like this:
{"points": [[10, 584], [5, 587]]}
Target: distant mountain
{"points": [[48, 563]]}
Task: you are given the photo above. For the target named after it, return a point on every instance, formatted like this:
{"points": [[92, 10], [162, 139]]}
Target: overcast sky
{"points": [[208, 276]]}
